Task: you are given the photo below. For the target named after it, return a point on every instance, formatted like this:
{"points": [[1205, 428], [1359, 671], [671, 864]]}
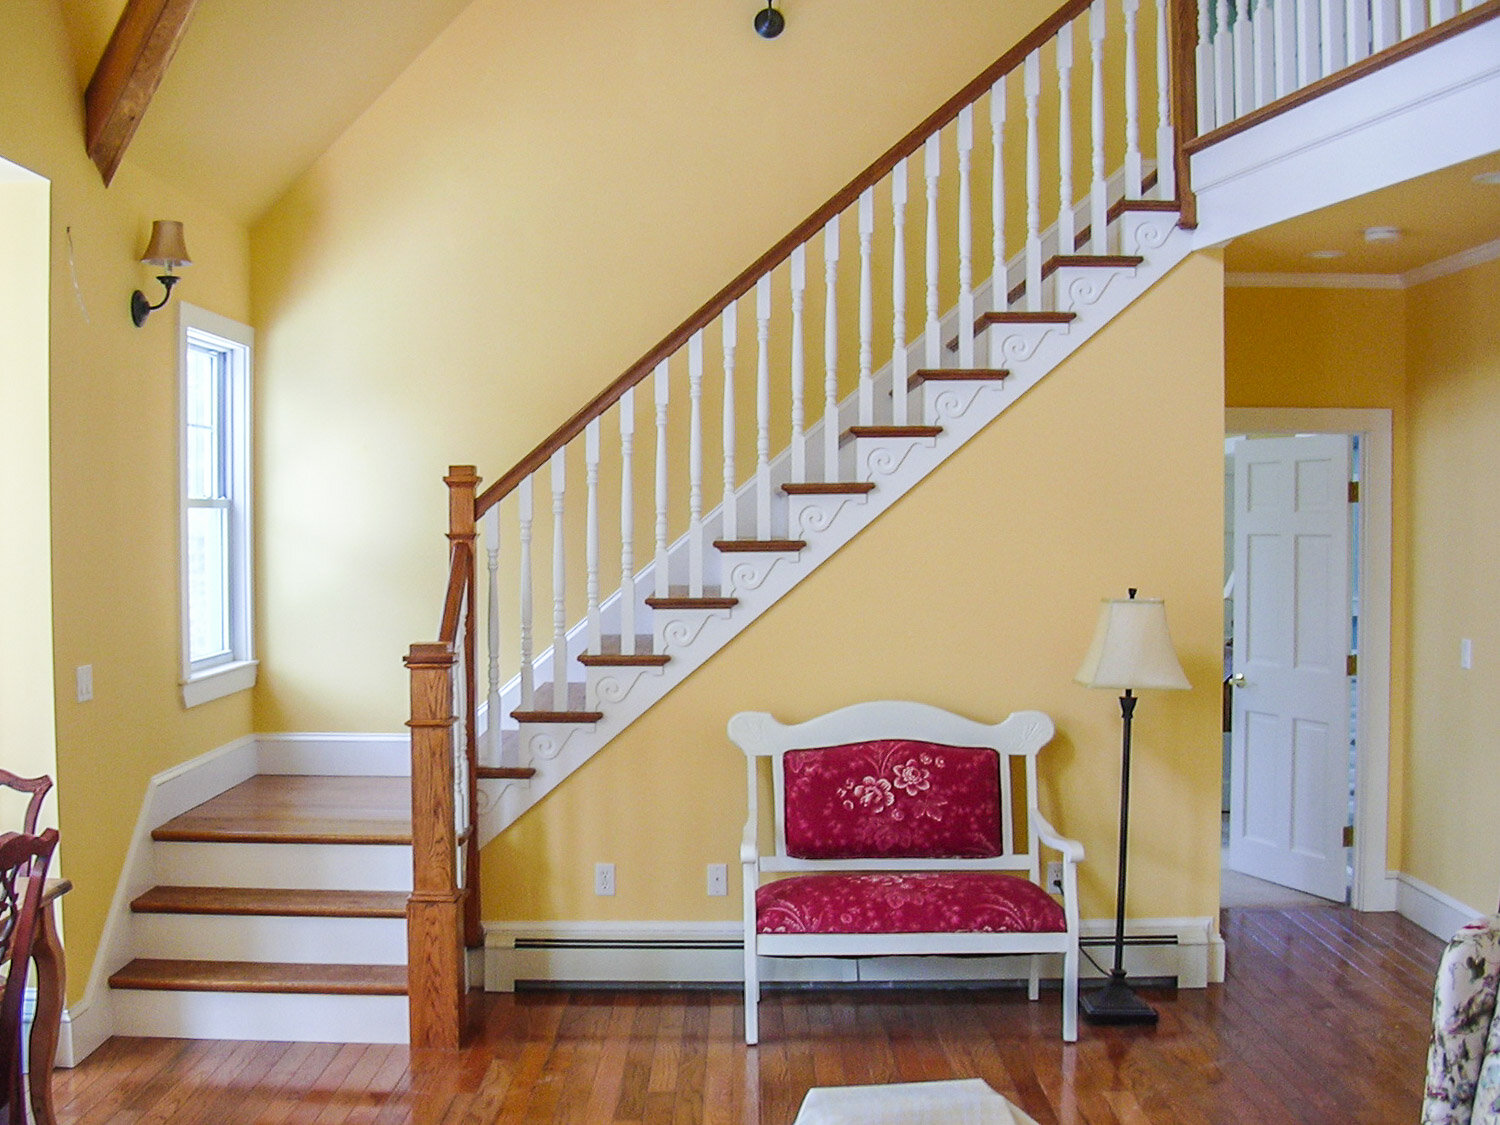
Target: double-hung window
{"points": [[214, 358]]}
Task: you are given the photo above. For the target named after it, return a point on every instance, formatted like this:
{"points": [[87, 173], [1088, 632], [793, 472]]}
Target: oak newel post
{"points": [[434, 913]]}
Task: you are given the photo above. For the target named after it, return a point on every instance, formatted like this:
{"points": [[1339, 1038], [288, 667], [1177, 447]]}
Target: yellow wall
{"points": [[1452, 833], [113, 450], [1336, 348], [996, 625]]}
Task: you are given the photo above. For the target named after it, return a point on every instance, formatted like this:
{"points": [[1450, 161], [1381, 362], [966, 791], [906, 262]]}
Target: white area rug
{"points": [[966, 1101]]}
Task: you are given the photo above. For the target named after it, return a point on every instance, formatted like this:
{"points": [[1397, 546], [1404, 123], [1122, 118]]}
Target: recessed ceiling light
{"points": [[1382, 234], [1490, 178], [1324, 255]]}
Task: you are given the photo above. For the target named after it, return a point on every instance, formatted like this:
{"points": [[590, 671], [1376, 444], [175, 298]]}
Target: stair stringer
{"points": [[827, 523]]}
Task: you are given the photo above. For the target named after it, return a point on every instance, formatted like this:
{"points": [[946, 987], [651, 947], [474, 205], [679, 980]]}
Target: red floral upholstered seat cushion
{"points": [[921, 902], [892, 799]]}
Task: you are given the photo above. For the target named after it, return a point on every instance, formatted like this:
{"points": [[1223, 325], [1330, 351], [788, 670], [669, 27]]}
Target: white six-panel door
{"points": [[1289, 758]]}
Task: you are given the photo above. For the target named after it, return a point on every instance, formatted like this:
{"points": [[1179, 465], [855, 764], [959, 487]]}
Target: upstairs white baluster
{"points": [[1098, 185], [1385, 24], [1413, 17], [798, 271], [1033, 80], [763, 408], [1308, 53], [831, 350], [1207, 81], [627, 522], [1166, 142], [1263, 82], [1284, 20], [663, 384], [965, 238], [695, 465], [999, 279], [528, 666], [591, 541], [866, 308], [933, 167], [1133, 173], [1357, 30], [898, 294], [492, 700], [729, 326], [1224, 64], [1244, 53], [1333, 32], [560, 666], [1065, 225]]}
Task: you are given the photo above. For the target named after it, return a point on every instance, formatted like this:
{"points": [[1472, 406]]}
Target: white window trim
{"points": [[239, 673]]}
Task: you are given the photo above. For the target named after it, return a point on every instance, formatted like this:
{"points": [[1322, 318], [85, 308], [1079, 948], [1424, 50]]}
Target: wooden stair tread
{"points": [[277, 901], [829, 488], [743, 546], [956, 375], [505, 773], [557, 716], [1121, 206], [623, 660], [889, 432], [261, 976], [684, 601], [286, 809], [1090, 261], [1015, 316]]}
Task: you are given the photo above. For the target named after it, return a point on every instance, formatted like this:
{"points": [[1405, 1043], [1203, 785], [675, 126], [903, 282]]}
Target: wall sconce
{"points": [[769, 22], [168, 250]]}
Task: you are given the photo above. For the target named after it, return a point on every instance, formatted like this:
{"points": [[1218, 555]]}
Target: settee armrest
{"points": [[1070, 850], [750, 843]]}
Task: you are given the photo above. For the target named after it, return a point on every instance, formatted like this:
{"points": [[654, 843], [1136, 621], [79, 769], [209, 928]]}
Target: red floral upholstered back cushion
{"points": [[892, 799]]}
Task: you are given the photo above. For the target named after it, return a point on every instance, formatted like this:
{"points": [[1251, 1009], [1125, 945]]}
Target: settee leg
{"points": [[1034, 979], [752, 999], [1070, 995]]}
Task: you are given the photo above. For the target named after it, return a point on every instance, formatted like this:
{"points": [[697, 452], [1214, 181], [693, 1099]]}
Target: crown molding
{"points": [[1236, 280], [1464, 259]]}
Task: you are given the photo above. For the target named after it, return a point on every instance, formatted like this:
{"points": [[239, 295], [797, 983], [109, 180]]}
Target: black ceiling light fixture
{"points": [[769, 23]]}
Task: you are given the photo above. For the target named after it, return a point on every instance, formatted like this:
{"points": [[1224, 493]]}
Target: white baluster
{"points": [[1385, 24], [1284, 19], [528, 666], [798, 271], [866, 308], [560, 666], [663, 586], [1098, 185], [763, 409], [1133, 173], [591, 535], [999, 274], [729, 326], [1332, 31], [1033, 80], [1263, 34], [898, 294], [1413, 17], [1166, 138], [627, 522], [965, 237], [1308, 53], [831, 350], [1244, 59], [1443, 10], [1224, 64], [695, 465], [1207, 84], [492, 700], [933, 167], [1356, 30], [1066, 232]]}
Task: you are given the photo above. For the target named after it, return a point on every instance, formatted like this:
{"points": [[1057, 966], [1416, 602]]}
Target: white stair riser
{"points": [[350, 867], [281, 1017], [223, 937]]}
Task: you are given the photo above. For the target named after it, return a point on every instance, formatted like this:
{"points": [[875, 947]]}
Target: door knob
{"points": [[1238, 679]]}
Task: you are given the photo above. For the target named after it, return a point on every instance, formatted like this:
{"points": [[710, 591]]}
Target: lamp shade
{"points": [[167, 247], [1132, 648]]}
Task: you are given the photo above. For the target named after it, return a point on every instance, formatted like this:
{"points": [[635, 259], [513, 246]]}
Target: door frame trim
{"points": [[1374, 887]]}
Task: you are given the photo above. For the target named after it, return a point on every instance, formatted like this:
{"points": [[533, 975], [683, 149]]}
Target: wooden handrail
{"points": [[773, 257], [1184, 104], [459, 570]]}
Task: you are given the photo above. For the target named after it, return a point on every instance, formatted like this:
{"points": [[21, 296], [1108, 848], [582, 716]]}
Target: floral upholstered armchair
{"points": [[1463, 1063], [901, 829]]}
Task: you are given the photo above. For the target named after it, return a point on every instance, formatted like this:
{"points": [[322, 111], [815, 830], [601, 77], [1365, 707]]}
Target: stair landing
{"points": [[275, 808]]}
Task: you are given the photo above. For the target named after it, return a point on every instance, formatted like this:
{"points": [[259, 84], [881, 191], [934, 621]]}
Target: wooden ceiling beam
{"points": [[129, 71]]}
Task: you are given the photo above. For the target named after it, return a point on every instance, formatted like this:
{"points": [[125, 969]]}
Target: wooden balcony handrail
{"points": [[459, 570], [907, 146]]}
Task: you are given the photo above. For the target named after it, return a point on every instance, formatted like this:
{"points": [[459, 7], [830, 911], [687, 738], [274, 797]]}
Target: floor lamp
{"points": [[1132, 650]]}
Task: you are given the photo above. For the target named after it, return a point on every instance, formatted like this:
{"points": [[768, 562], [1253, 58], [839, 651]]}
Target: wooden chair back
{"points": [[37, 787], [24, 859]]}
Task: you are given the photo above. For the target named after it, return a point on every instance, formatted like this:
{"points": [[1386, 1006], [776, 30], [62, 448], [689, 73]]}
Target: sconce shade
{"points": [[167, 248], [1132, 648]]}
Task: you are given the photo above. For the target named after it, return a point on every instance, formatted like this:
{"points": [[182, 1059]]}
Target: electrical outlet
{"points": [[1466, 654], [85, 677], [718, 879], [604, 878], [1054, 876]]}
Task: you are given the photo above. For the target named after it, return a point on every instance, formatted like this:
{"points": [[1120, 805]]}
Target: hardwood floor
{"points": [[1324, 1018]]}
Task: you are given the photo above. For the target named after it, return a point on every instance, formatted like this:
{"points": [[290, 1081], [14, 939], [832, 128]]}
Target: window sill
{"points": [[219, 682]]}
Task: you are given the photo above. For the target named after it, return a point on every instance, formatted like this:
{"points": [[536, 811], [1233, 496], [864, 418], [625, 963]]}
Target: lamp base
{"points": [[1116, 1002]]}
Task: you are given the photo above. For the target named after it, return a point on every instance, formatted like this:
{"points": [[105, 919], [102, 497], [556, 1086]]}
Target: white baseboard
{"points": [[1439, 914], [1188, 950]]}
